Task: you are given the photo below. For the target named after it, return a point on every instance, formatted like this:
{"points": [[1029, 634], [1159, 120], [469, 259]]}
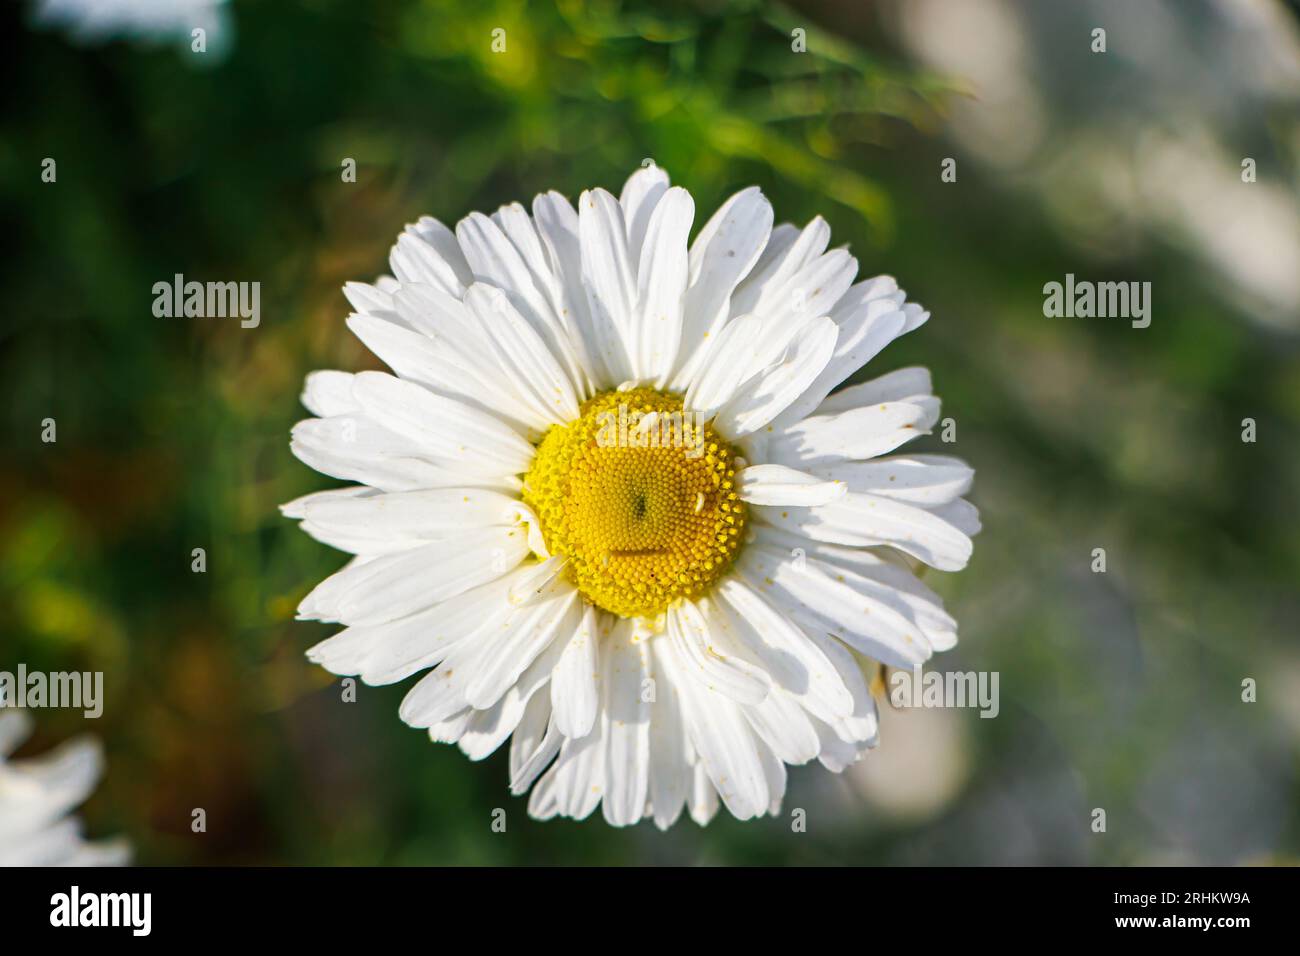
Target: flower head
{"points": [[611, 502], [37, 796]]}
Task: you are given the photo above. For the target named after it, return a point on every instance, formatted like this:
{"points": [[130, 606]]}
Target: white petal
{"points": [[856, 433], [723, 740], [661, 286], [784, 726], [298, 507], [328, 393], [794, 661], [557, 224], [450, 731], [549, 308], [574, 690], [704, 798], [905, 591], [534, 745], [59, 779], [838, 753], [870, 316], [779, 485], [625, 670], [355, 448], [862, 620], [448, 322], [926, 480], [444, 692], [640, 196], [519, 638], [765, 396], [610, 281], [439, 695], [773, 771], [940, 539], [719, 379], [785, 307], [15, 727], [455, 357], [961, 514], [576, 778], [904, 384], [452, 432], [392, 651], [418, 358], [538, 377], [844, 740], [415, 261], [370, 299], [514, 222], [707, 659], [524, 277], [670, 774], [544, 804], [411, 515], [489, 729], [443, 241], [723, 253], [788, 251], [395, 585], [322, 603]]}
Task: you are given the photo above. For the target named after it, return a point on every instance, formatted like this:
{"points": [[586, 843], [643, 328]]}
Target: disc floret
{"points": [[640, 497]]}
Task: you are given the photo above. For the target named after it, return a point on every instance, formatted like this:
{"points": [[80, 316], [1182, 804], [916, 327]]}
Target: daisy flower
{"points": [[37, 797], [611, 502]]}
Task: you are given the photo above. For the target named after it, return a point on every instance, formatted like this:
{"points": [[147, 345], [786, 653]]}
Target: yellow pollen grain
{"points": [[641, 520]]}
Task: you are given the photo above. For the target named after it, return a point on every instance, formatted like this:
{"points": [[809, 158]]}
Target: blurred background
{"points": [[1120, 691]]}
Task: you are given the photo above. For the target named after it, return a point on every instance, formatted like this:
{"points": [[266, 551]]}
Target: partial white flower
{"points": [[37, 797], [97, 21], [613, 505]]}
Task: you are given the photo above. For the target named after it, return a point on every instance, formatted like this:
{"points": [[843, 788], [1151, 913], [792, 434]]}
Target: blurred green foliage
{"points": [[1120, 691]]}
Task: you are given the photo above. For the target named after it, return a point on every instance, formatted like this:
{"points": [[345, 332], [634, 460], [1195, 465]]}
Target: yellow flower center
{"points": [[640, 498]]}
